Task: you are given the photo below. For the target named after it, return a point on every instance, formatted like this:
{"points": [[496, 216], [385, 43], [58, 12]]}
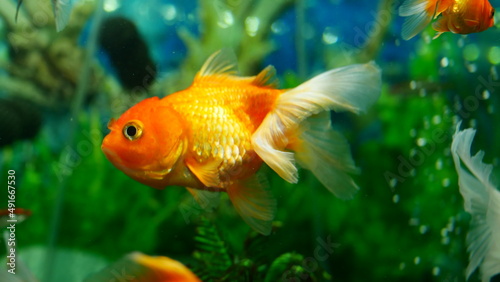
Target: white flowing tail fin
{"points": [[318, 148], [482, 201]]}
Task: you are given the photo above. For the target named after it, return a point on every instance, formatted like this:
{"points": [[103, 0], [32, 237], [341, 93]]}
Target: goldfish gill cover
{"points": [[79, 218]]}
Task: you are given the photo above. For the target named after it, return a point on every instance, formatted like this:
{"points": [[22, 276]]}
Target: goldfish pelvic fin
{"points": [[441, 25], [207, 200], [254, 202], [222, 62], [326, 153], [352, 88], [267, 77], [206, 172], [418, 17], [482, 201]]}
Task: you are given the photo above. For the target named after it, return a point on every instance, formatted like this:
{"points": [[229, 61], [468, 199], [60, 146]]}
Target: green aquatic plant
{"points": [[242, 25], [215, 261]]}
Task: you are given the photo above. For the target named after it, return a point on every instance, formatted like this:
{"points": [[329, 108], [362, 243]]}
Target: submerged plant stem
{"points": [[81, 90]]}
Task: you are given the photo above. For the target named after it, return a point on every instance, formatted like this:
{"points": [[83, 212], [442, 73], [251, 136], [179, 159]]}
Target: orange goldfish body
{"points": [[215, 135], [13, 215], [139, 267], [457, 16]]}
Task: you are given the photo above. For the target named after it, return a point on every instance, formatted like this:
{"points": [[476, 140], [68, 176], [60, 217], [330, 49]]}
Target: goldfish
{"points": [[139, 267], [216, 134], [482, 201], [18, 215], [62, 11], [457, 16]]}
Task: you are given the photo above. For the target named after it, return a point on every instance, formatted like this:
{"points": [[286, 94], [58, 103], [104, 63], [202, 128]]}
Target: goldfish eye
{"points": [[132, 131]]}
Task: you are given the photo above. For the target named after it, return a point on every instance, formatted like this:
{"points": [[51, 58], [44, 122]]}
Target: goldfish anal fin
{"points": [[207, 200], [267, 77], [326, 154], [254, 203], [418, 17], [207, 172], [471, 22], [481, 200], [222, 62]]}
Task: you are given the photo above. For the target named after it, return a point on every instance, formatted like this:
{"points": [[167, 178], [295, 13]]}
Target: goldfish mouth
{"points": [[118, 163]]}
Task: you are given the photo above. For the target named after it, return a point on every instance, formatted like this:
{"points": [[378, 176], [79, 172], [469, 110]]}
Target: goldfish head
{"points": [[146, 142], [489, 16], [478, 17]]}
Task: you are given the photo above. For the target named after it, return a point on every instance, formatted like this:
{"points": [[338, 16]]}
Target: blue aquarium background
{"points": [[58, 90]]}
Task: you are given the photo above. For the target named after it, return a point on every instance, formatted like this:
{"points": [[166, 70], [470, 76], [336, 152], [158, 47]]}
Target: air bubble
{"points": [[393, 182], [416, 260], [486, 94], [421, 142], [494, 55], [329, 37], [446, 182], [423, 229], [436, 119], [439, 164], [445, 62], [436, 271], [395, 199], [471, 52]]}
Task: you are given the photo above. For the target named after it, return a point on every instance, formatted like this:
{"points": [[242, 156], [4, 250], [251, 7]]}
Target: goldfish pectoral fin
{"points": [[207, 200], [471, 22], [481, 200], [254, 203], [206, 172], [267, 77], [62, 11], [326, 153], [418, 15], [222, 62]]}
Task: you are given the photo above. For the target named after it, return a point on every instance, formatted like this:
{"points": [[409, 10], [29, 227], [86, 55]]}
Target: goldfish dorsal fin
{"points": [[222, 62], [267, 77], [254, 203], [206, 172], [207, 200]]}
